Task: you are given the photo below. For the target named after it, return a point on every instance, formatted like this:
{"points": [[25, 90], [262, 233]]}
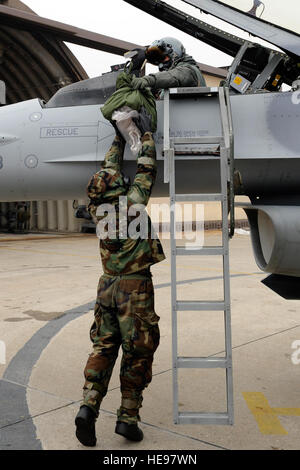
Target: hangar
{"points": [[36, 62]]}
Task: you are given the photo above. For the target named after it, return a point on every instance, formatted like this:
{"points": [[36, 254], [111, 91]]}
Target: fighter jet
{"points": [[50, 150]]}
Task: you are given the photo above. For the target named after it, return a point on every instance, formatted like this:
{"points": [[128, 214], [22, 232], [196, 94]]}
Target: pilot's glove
{"points": [[140, 83], [137, 61]]}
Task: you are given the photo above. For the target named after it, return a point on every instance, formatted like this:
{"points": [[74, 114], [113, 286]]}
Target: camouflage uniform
{"points": [[124, 310]]}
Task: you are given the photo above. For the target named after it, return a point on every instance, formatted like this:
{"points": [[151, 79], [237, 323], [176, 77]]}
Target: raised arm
{"points": [[109, 172], [114, 157], [186, 75], [141, 188]]}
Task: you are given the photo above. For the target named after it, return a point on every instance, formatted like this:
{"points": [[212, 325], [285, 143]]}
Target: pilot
{"points": [[176, 68], [124, 309]]}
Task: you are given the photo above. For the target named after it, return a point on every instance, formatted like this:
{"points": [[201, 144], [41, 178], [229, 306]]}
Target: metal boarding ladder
{"points": [[226, 198]]}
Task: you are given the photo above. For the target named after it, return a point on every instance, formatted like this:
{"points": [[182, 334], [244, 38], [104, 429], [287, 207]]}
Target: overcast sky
{"points": [[118, 19]]}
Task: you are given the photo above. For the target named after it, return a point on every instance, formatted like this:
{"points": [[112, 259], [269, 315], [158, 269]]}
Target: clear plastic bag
{"points": [[127, 127]]}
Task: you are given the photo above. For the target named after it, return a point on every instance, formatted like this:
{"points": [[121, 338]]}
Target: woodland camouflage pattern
{"points": [[125, 256], [124, 309], [124, 315]]}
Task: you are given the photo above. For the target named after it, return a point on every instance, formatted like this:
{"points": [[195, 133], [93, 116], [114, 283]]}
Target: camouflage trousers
{"points": [[124, 316]]}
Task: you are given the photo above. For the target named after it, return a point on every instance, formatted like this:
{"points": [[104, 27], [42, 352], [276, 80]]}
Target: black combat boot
{"points": [[85, 426], [130, 431]]}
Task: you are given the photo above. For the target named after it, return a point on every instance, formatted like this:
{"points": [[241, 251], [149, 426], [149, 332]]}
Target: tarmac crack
{"points": [[234, 347], [21, 365], [28, 387], [117, 387], [186, 436], [260, 339]]}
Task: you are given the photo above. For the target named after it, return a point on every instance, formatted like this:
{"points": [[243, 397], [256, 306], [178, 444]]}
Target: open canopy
{"points": [[283, 13], [275, 21]]}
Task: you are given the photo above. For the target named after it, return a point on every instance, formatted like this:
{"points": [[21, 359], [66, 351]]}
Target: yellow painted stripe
{"points": [[287, 411], [265, 416]]}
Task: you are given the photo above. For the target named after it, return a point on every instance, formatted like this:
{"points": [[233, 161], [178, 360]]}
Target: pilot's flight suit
{"points": [[183, 73], [124, 310]]}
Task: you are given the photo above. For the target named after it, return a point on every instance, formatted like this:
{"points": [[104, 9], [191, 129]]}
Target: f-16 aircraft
{"points": [[50, 150]]}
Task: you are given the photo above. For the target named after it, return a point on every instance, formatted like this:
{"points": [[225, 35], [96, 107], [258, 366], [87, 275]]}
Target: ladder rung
{"points": [[188, 305], [202, 362], [203, 418], [190, 157], [193, 91], [205, 251], [208, 139], [199, 197], [192, 146]]}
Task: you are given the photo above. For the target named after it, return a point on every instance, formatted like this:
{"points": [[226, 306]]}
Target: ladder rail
{"points": [[169, 177], [225, 167], [228, 336], [227, 124], [226, 200], [166, 136], [232, 189], [226, 285], [173, 282]]}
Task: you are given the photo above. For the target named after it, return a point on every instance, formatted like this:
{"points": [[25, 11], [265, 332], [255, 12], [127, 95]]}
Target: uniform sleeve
{"points": [[180, 76], [114, 157], [141, 188], [111, 166]]}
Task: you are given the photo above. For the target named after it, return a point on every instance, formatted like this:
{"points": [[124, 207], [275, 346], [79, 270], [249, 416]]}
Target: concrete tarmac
{"points": [[48, 289]]}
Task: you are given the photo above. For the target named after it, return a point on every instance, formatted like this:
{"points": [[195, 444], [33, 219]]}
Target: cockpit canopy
{"points": [[86, 92], [282, 13]]}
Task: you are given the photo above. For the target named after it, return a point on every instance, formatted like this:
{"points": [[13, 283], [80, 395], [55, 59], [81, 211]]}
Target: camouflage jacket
{"points": [[120, 253]]}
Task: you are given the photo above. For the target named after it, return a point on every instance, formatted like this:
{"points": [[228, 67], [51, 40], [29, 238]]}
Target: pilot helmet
{"points": [[165, 52]]}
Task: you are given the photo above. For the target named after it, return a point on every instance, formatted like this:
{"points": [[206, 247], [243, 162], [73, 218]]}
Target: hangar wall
{"points": [[36, 65]]}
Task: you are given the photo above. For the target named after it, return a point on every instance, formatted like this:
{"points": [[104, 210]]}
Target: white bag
{"points": [[123, 117]]}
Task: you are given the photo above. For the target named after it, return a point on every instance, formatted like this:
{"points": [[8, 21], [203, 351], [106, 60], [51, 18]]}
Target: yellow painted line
{"points": [[265, 416], [287, 411]]}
